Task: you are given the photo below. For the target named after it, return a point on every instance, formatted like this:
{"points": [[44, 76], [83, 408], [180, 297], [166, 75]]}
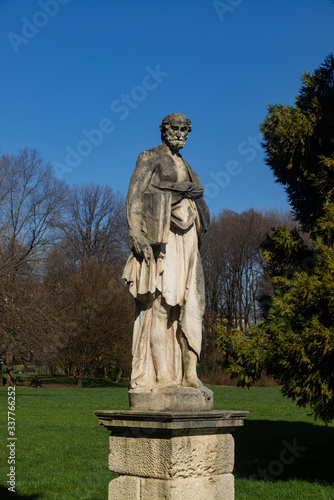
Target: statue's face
{"points": [[176, 134]]}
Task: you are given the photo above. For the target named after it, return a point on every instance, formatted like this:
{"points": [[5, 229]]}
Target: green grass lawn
{"points": [[62, 452]]}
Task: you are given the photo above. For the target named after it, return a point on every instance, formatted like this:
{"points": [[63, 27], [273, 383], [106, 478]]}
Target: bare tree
{"points": [[234, 271], [98, 322], [31, 203], [95, 227], [95, 245]]}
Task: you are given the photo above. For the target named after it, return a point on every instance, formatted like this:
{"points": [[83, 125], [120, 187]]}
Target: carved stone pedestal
{"points": [[163, 455]]}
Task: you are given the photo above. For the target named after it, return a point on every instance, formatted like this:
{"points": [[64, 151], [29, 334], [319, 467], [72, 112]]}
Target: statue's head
{"points": [[174, 130]]}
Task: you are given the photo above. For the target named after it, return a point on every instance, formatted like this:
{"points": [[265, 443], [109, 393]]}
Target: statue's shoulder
{"points": [[149, 155], [153, 151]]}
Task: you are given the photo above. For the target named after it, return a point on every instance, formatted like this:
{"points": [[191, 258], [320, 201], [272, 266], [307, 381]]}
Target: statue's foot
{"points": [[166, 382], [194, 381], [140, 384]]}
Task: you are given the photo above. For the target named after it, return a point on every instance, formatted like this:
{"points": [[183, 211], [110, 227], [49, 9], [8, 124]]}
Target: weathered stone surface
{"points": [[171, 399], [171, 455], [130, 488], [216, 488], [124, 488], [167, 217], [180, 456], [127, 422]]}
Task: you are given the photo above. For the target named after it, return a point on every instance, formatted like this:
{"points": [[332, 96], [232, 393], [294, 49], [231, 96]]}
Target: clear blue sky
{"points": [[72, 66]]}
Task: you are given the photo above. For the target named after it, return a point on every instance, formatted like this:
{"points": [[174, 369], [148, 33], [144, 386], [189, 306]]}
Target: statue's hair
{"points": [[172, 117]]}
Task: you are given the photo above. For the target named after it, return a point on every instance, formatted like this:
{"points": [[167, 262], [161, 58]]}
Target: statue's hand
{"points": [[142, 247], [189, 189], [195, 192]]}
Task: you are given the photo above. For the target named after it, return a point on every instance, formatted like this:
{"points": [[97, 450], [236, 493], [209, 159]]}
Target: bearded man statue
{"points": [[167, 217]]}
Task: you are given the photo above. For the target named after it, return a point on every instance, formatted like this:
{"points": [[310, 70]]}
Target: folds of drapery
{"points": [[175, 272]]}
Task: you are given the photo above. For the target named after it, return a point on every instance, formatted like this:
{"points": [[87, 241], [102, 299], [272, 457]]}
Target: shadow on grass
{"points": [[10, 495], [273, 450]]}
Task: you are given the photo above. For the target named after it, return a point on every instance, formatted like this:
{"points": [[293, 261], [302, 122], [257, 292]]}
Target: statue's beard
{"points": [[175, 144]]}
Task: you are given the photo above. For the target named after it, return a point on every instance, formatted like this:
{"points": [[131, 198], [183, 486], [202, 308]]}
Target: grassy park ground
{"points": [[62, 453]]}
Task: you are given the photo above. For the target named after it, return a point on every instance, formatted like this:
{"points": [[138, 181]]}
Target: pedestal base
{"points": [[171, 455], [215, 488], [171, 399]]}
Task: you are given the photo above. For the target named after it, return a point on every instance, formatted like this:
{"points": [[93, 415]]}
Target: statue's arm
{"points": [[204, 216], [139, 182]]}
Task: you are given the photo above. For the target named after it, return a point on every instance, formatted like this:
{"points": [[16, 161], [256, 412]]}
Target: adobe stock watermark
{"points": [[120, 107], [275, 468], [221, 179], [222, 8], [11, 440], [30, 27]]}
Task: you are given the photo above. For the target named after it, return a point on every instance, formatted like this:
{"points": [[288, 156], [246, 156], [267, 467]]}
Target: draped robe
{"points": [[175, 271]]}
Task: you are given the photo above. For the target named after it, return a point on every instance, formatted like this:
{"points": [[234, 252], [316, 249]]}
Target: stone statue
{"points": [[167, 216]]}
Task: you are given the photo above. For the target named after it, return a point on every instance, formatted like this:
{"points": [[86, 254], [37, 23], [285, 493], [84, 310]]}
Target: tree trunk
{"points": [[81, 375], [10, 368], [105, 372], [119, 375]]}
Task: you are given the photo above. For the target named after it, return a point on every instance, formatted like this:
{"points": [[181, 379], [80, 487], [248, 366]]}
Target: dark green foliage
{"points": [[300, 334], [245, 352], [299, 146], [295, 340]]}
